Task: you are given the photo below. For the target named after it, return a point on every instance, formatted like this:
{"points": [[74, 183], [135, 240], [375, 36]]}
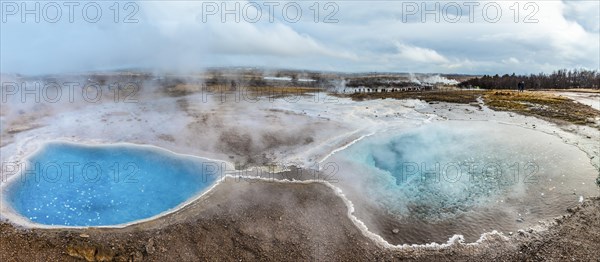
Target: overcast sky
{"points": [[351, 36]]}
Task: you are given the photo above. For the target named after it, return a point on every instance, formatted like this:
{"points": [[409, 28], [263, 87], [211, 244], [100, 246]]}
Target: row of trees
{"points": [[373, 82], [561, 79]]}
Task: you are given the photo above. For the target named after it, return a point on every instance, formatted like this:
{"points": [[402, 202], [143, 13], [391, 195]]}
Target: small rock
{"points": [[104, 254], [395, 231], [150, 246], [84, 235], [136, 256], [82, 251], [520, 220]]}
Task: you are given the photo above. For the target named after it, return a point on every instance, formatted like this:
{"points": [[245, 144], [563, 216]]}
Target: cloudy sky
{"points": [[350, 36]]}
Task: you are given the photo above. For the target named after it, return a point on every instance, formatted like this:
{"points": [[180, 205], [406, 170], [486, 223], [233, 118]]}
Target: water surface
{"points": [[461, 177], [75, 185]]}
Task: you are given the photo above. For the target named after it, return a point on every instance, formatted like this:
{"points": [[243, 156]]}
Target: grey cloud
{"points": [[370, 36]]}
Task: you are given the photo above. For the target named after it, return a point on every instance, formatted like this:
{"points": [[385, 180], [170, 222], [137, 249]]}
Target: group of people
{"points": [[521, 86]]}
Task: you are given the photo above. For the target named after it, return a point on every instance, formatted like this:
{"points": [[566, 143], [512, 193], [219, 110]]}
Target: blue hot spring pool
{"points": [[66, 184], [461, 177]]}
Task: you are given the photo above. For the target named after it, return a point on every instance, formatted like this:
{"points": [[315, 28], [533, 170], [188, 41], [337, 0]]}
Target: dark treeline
{"points": [[372, 82], [561, 79]]}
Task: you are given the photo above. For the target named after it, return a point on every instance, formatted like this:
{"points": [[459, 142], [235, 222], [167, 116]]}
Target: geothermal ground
{"points": [[286, 194]]}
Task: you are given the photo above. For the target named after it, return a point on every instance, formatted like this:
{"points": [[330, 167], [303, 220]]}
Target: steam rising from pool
{"points": [[433, 179], [75, 185], [461, 178]]}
